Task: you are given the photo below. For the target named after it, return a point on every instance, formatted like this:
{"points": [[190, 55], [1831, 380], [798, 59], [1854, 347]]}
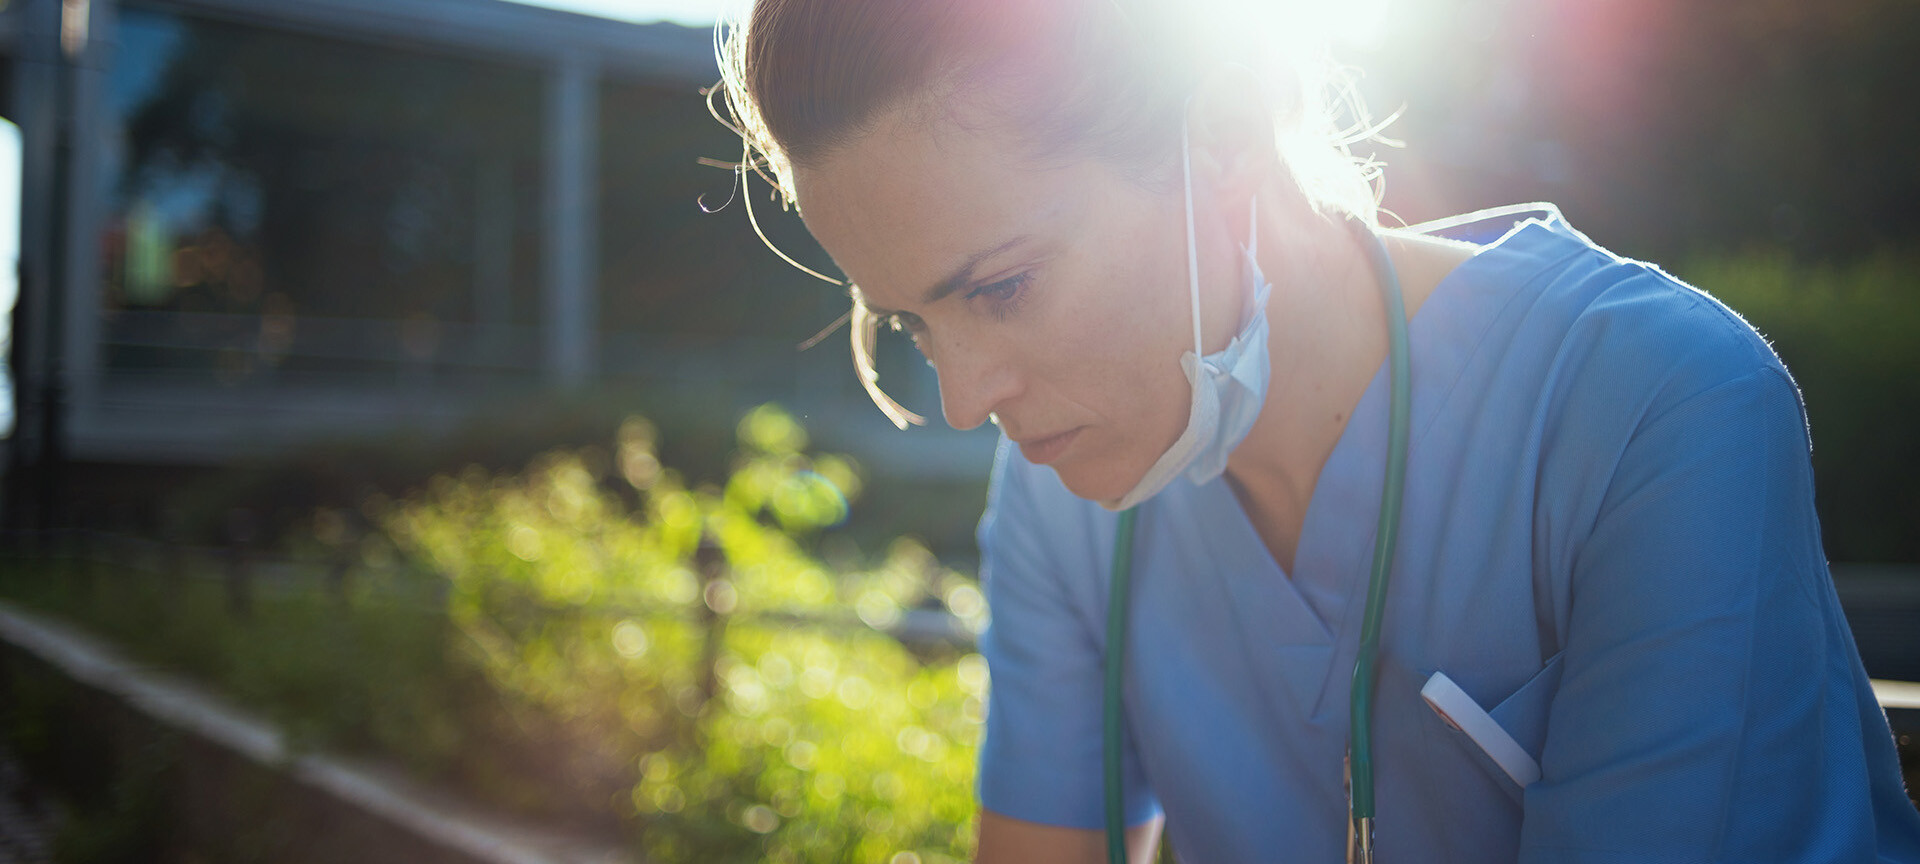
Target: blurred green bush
{"points": [[593, 639], [1847, 333], [765, 723]]}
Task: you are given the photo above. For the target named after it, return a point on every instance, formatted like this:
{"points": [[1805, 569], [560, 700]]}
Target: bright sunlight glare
{"points": [[1346, 23], [1360, 25]]}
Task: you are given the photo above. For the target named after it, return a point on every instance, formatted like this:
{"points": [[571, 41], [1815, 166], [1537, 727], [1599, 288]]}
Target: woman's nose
{"points": [[973, 385]]}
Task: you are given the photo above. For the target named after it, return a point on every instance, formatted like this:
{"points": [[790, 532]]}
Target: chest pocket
{"points": [[1506, 740]]}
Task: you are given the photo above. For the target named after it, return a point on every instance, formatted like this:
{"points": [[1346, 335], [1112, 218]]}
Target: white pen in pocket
{"points": [[1462, 713]]}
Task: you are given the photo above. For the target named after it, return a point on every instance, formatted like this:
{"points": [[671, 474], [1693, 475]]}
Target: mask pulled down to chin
{"points": [[1228, 387]]}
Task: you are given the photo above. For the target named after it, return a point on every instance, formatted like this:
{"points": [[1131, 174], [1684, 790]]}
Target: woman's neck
{"points": [[1327, 321]]}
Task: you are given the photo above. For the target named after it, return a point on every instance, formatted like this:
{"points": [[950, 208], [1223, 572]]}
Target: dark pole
{"points": [[52, 388]]}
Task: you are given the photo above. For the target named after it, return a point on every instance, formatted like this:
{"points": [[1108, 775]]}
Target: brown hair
{"points": [[1093, 78]]}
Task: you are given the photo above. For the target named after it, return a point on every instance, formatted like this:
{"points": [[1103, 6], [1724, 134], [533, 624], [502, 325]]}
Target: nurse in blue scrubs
{"points": [[1610, 634]]}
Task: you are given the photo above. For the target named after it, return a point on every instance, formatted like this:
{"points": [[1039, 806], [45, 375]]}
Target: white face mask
{"points": [[1228, 387]]}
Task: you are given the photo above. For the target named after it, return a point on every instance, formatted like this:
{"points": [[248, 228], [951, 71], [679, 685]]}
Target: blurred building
{"points": [[252, 223]]}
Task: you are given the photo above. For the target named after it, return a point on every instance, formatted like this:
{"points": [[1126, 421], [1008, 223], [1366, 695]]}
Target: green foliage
{"points": [[825, 750], [592, 638], [1846, 333], [682, 634]]}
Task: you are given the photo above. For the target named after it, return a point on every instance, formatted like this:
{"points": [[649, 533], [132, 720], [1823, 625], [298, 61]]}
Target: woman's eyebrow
{"points": [[954, 282], [964, 274]]}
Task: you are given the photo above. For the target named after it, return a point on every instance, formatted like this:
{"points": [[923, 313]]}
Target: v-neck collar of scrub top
{"points": [[1296, 627]]}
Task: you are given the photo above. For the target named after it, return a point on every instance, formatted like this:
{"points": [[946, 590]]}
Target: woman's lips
{"points": [[1041, 451]]}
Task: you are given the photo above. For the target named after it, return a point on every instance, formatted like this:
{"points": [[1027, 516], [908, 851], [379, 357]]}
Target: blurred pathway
{"points": [[26, 823]]}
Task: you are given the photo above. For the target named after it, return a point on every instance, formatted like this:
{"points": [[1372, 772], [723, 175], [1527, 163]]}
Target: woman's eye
{"points": [[1002, 296]]}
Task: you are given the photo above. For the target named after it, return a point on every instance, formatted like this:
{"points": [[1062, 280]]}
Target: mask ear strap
{"points": [[1253, 226], [1193, 259]]}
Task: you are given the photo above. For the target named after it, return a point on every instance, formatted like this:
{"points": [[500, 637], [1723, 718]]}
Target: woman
{"points": [[1135, 246]]}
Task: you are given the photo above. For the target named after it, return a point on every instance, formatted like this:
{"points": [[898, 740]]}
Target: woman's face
{"points": [[1050, 298]]}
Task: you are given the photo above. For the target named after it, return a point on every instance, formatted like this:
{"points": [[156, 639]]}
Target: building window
{"points": [[289, 208]]}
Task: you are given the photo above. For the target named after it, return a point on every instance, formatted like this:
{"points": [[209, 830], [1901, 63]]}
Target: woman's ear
{"points": [[1230, 125]]}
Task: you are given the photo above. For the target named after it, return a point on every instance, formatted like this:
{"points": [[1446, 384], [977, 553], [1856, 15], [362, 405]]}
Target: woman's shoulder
{"points": [[1603, 325]]}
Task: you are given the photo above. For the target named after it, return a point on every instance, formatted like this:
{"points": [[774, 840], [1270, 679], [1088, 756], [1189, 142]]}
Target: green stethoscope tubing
{"points": [[1386, 535]]}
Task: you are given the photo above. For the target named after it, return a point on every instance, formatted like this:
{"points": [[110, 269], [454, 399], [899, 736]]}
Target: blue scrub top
{"points": [[1609, 543]]}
